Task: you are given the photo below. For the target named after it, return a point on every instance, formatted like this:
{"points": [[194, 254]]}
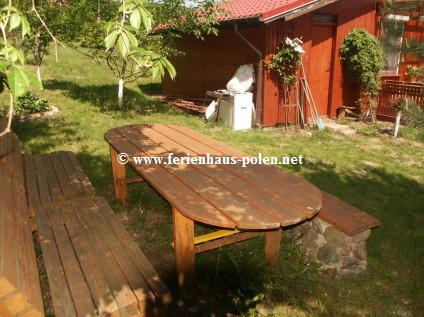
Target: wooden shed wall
{"points": [[210, 64], [350, 14]]}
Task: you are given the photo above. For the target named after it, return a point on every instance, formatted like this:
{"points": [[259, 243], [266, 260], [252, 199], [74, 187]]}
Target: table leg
{"points": [[184, 248], [272, 245], [119, 177]]}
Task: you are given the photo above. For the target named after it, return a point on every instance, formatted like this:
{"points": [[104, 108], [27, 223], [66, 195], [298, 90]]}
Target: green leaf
{"points": [[18, 82], [135, 19], [3, 64], [9, 8], [146, 17], [132, 39], [110, 40], [26, 28], [15, 21]]}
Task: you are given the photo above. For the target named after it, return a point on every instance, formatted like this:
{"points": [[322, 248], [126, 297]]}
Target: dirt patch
{"points": [[371, 164]]}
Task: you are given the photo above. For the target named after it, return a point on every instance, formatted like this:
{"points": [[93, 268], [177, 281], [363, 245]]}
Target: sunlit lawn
{"points": [[377, 174]]}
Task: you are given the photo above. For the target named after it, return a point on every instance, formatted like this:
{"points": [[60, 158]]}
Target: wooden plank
{"points": [[273, 172], [188, 202], [34, 295], [150, 275], [88, 187], [345, 217], [214, 235], [4, 311], [124, 296], [102, 294], [182, 139], [272, 244], [19, 300], [129, 269], [184, 248], [241, 212], [8, 242], [219, 146], [52, 179], [292, 210], [42, 182], [72, 174], [134, 180], [242, 236], [268, 204], [67, 189], [31, 185], [119, 177], [78, 288], [61, 295], [290, 196]]}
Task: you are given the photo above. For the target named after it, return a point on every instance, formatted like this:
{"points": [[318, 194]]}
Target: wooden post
{"points": [[184, 248], [119, 177], [272, 245]]}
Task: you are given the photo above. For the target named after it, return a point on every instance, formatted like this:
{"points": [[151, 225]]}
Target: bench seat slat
{"points": [[124, 296], [31, 188], [132, 274], [88, 187], [42, 182], [8, 247], [72, 174], [146, 268], [53, 182], [54, 178], [65, 185], [59, 288], [79, 290], [102, 295], [344, 216]]}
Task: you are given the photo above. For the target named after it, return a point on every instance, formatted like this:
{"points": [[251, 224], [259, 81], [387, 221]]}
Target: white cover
{"points": [[242, 80]]}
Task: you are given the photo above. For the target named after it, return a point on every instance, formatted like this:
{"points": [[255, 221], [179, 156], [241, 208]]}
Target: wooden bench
{"points": [[348, 219], [20, 291], [93, 266], [54, 178]]}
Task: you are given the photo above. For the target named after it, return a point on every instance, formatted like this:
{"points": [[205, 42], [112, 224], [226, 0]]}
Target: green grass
{"points": [[371, 171]]}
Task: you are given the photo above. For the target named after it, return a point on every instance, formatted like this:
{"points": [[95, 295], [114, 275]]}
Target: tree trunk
{"points": [[98, 10], [121, 93], [397, 123], [39, 72]]}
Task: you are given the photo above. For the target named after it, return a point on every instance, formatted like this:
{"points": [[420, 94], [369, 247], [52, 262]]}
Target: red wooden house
{"points": [[253, 32]]}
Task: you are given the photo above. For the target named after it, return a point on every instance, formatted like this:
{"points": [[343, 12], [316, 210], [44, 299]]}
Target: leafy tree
{"points": [[362, 57], [12, 72], [137, 42]]}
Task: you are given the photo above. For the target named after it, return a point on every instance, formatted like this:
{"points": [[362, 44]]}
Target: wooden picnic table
{"points": [[247, 201]]}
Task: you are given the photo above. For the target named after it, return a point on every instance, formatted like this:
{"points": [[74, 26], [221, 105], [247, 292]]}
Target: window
{"points": [[393, 29]]}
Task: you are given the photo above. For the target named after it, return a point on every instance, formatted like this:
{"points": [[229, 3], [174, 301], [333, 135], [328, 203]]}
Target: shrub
{"points": [[362, 57], [30, 103]]}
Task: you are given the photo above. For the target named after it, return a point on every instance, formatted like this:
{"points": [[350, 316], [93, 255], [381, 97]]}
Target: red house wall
{"points": [[209, 64]]}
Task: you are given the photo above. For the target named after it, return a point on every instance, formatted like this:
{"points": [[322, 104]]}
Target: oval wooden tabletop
{"points": [[257, 196]]}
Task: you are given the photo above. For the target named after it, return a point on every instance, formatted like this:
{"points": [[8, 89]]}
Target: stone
{"points": [[335, 237], [326, 255], [338, 253]]}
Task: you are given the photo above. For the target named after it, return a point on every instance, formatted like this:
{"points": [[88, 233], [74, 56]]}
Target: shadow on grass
{"points": [[151, 89], [104, 97], [44, 129]]}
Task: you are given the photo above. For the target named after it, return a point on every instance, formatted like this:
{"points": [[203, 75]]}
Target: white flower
{"points": [[299, 49], [289, 42]]}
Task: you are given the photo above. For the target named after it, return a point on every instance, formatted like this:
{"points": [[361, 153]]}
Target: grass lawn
{"points": [[373, 172]]}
